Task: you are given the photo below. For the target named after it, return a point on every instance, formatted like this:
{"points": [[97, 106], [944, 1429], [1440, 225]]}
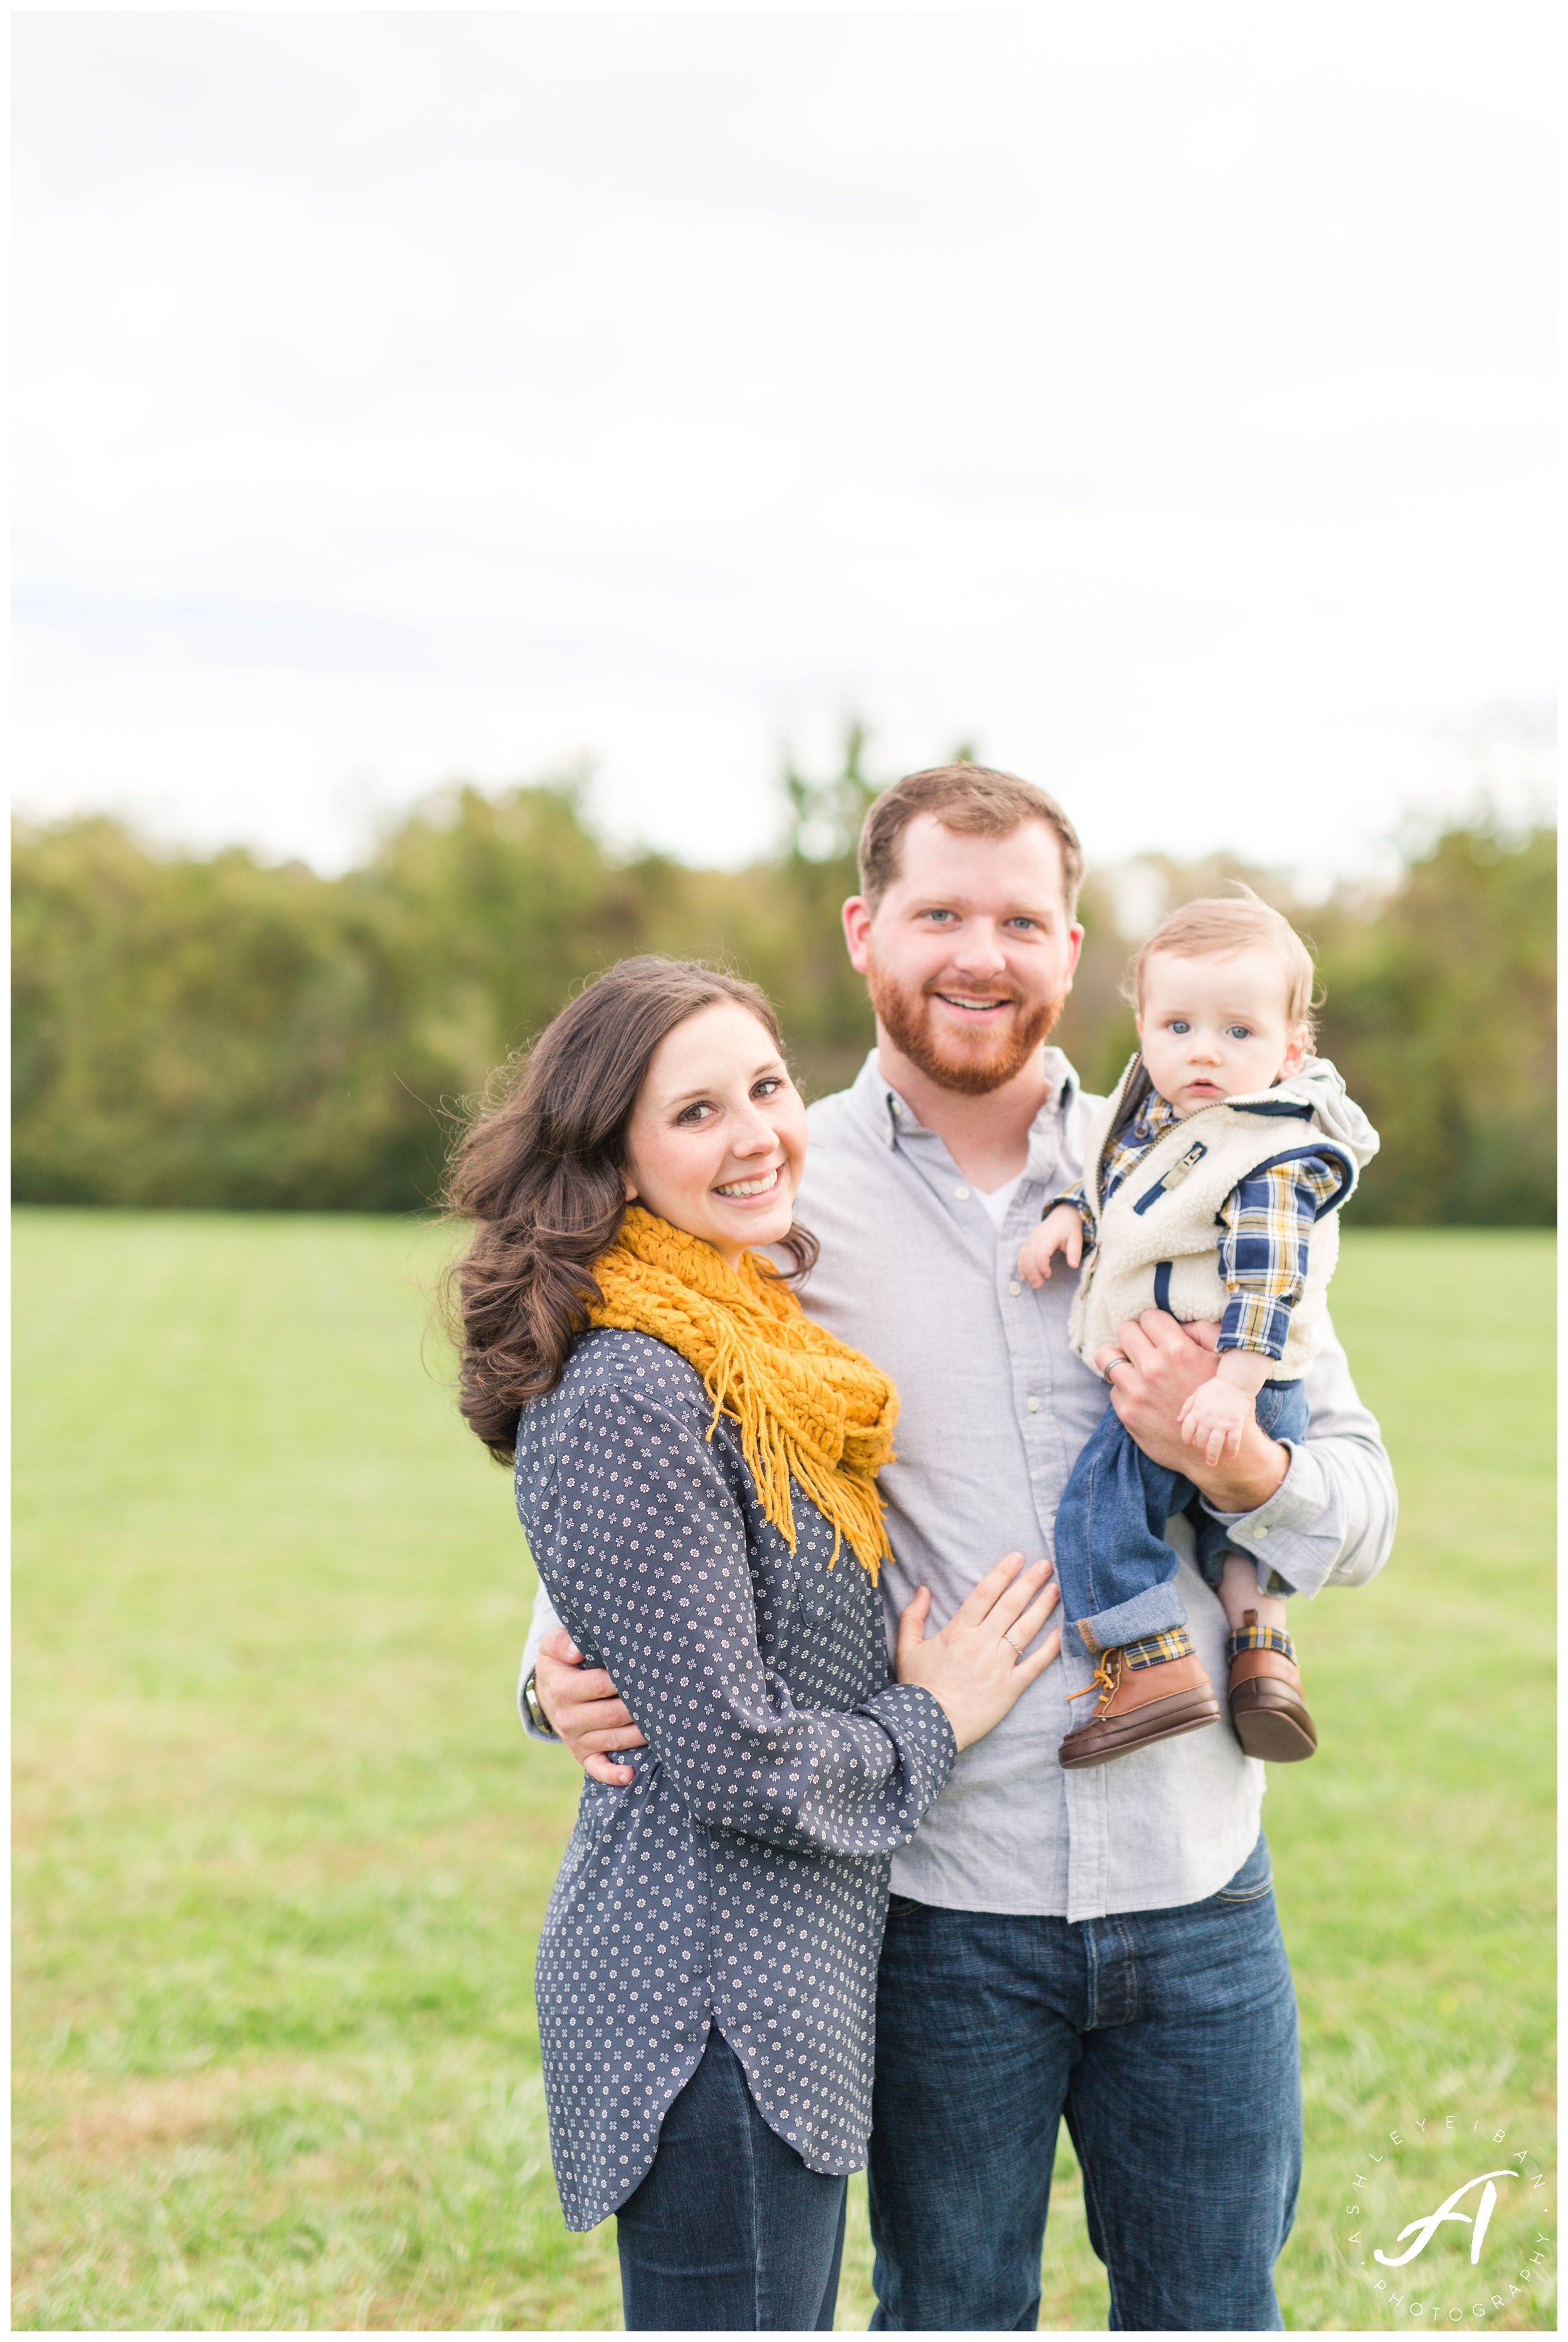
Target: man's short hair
{"points": [[1220, 927], [973, 800]]}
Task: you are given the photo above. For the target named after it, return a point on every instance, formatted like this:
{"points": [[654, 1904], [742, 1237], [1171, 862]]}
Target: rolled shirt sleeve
{"points": [[642, 1545], [1331, 1520]]}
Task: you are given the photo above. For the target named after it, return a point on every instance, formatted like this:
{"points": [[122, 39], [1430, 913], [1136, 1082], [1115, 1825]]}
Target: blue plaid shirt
{"points": [[1266, 1222]]}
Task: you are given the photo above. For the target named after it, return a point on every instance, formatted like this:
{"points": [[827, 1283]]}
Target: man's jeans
{"points": [[1169, 2040], [729, 2231], [1116, 1572]]}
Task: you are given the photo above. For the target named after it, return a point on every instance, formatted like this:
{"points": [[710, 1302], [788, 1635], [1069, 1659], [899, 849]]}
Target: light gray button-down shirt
{"points": [[994, 1408]]}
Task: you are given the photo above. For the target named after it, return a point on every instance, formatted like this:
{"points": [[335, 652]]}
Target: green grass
{"points": [[282, 1851]]}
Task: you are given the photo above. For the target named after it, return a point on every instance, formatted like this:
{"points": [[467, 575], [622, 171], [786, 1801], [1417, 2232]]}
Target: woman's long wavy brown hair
{"points": [[539, 1171]]}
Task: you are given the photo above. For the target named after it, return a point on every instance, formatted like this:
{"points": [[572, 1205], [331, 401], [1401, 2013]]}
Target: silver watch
{"points": [[536, 1716]]}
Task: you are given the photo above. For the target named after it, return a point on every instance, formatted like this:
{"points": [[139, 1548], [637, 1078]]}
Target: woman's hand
{"points": [[582, 1704], [976, 1667]]}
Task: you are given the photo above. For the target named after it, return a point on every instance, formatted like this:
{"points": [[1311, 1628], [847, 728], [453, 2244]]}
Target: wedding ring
{"points": [[1117, 1358], [1012, 1646]]}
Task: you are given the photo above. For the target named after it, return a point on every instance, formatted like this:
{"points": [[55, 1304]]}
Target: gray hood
{"points": [[1320, 1087]]}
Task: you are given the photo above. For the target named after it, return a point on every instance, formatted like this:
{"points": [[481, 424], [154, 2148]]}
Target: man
{"points": [[1099, 1943]]}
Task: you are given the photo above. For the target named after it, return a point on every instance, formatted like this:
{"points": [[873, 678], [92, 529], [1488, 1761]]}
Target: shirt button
{"points": [[1033, 1405], [1259, 1533], [962, 1194], [1014, 1287]]}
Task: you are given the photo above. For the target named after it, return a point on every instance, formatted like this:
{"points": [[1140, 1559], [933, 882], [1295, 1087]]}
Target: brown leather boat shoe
{"points": [[1141, 1700], [1268, 1707]]}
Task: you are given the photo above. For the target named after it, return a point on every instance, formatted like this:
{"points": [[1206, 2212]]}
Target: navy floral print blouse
{"points": [[741, 1879]]}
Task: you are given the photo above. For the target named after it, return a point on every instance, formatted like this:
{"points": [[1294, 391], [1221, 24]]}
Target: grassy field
{"points": [[282, 1851]]}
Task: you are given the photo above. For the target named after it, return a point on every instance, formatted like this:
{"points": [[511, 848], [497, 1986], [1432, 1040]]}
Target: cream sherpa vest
{"points": [[1157, 1241]]}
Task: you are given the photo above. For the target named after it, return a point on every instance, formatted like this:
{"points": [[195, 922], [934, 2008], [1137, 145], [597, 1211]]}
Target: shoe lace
{"points": [[1103, 1680]]}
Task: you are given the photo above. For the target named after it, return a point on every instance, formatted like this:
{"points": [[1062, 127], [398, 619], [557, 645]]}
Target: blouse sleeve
{"points": [[639, 1537]]}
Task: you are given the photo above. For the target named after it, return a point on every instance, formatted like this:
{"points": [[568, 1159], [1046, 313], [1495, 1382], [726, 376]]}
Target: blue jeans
{"points": [[1116, 1572], [1169, 2040], [729, 2232]]}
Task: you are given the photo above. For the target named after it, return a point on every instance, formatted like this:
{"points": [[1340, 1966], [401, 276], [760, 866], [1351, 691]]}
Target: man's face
{"points": [[969, 955]]}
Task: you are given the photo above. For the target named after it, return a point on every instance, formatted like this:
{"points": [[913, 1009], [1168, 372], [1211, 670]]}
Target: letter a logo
{"points": [[1425, 2230]]}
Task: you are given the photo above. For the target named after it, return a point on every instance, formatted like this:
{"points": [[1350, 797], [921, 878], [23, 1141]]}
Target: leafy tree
{"points": [[793, 940], [216, 1031], [203, 1031], [1441, 1014], [502, 907]]}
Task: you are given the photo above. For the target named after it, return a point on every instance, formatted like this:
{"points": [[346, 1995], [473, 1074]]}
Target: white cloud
{"points": [[1160, 398]]}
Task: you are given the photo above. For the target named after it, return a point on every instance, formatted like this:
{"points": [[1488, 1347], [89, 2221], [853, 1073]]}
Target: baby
{"points": [[1212, 1182]]}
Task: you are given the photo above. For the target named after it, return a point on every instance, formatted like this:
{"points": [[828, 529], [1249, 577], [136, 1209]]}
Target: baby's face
{"points": [[1216, 1028]]}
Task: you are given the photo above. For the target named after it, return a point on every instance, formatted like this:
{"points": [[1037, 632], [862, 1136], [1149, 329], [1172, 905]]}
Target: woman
{"points": [[695, 1471]]}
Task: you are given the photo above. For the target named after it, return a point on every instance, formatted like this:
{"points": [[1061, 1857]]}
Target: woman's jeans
{"points": [[1169, 2040], [1116, 1572], [729, 2232]]}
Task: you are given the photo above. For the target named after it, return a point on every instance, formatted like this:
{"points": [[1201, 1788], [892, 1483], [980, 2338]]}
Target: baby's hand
{"points": [[1061, 1231], [1214, 1418]]}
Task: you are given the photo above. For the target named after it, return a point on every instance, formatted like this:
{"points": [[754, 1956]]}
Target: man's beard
{"points": [[974, 1063]]}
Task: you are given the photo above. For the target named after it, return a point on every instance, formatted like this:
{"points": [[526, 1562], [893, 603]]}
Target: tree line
{"points": [[213, 1030]]}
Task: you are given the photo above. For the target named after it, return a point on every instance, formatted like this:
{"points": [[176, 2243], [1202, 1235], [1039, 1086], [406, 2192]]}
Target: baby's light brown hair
{"points": [[1219, 926]]}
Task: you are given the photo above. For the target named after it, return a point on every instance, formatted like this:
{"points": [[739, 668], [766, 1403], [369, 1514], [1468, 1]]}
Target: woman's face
{"points": [[717, 1136]]}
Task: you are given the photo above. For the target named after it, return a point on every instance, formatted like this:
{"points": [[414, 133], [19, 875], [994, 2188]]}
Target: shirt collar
{"points": [[881, 1109], [1153, 1116]]}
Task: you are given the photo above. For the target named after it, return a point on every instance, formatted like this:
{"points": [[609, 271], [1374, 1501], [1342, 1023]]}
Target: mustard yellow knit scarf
{"points": [[806, 1405]]}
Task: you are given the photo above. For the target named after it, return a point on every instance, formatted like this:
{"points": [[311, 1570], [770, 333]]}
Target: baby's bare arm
{"points": [[1245, 1370], [1061, 1231], [1218, 1411]]}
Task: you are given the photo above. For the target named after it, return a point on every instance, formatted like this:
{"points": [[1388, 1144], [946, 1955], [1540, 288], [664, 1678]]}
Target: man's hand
{"points": [[583, 1707], [1162, 1364]]}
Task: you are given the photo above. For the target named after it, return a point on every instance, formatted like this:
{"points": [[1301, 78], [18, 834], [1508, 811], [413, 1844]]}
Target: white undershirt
{"points": [[999, 1198]]}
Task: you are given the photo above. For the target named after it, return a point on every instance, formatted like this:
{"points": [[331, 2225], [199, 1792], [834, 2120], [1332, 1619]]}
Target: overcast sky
{"points": [[1156, 397]]}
